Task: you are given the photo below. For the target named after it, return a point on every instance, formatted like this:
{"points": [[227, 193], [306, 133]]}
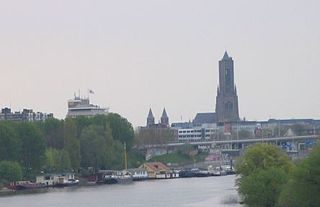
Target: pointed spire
{"points": [[150, 114], [164, 113], [164, 118], [150, 119], [225, 56]]}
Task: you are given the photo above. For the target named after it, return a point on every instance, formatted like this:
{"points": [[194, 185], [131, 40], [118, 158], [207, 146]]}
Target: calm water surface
{"points": [[187, 192]]}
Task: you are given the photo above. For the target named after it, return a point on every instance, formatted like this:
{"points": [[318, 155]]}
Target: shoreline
{"points": [[8, 192]]}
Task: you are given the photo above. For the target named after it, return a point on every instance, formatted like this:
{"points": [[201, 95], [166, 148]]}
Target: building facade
{"points": [[227, 99], [24, 115], [82, 107], [164, 120], [150, 119]]}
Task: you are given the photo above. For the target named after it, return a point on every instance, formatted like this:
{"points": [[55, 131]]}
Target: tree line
{"points": [[79, 144], [268, 178]]}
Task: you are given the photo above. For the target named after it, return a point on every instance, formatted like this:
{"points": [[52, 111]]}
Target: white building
{"points": [[82, 107], [196, 133]]}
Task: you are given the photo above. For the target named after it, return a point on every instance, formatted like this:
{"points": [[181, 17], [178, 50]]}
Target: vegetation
{"points": [[149, 136], [263, 170], [27, 148], [184, 155], [9, 171], [268, 178], [303, 188]]}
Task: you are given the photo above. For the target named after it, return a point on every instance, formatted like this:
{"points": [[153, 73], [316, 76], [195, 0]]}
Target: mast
{"points": [[125, 156]]}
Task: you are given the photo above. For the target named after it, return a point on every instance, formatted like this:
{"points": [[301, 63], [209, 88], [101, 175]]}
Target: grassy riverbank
{"points": [[179, 159]]}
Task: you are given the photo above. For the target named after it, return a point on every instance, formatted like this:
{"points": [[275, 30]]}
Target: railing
{"points": [[250, 140]]}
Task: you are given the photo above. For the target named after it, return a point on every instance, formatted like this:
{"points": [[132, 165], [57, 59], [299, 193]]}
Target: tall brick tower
{"points": [[227, 99]]}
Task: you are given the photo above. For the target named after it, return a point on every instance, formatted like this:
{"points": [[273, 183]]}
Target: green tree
{"points": [[263, 171], [303, 188], [52, 130], [93, 147], [260, 157], [146, 136], [72, 144], [33, 148], [263, 187], [122, 130], [186, 149], [81, 123], [9, 171], [57, 160], [10, 144]]}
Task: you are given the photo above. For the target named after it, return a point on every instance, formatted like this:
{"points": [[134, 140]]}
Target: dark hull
{"points": [[110, 181], [26, 186], [116, 181], [61, 185]]}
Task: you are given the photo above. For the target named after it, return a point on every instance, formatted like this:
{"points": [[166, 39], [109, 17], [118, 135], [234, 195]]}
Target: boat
{"points": [[24, 185], [69, 182], [202, 173], [187, 173], [138, 174], [115, 177]]}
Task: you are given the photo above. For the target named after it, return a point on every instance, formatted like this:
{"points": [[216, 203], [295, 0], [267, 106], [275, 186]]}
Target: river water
{"points": [[183, 192]]}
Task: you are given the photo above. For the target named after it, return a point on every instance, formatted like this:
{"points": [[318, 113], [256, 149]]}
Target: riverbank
{"points": [[185, 192]]}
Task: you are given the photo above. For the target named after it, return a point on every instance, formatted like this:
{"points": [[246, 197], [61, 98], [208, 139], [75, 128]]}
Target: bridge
{"points": [[290, 144], [235, 141]]}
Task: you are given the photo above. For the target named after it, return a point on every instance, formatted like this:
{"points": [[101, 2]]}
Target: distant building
{"points": [[164, 120], [225, 121], [227, 99], [203, 127], [204, 118], [197, 133], [156, 133], [24, 115], [182, 125], [82, 107], [156, 170], [150, 119]]}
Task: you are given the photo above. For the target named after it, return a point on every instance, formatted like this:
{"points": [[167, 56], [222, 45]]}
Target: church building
{"points": [[227, 109]]}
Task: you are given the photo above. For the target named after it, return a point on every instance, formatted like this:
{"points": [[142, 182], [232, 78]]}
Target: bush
{"points": [[10, 172], [263, 187], [303, 188], [263, 171]]}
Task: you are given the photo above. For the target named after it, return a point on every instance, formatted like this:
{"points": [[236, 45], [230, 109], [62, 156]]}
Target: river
{"points": [[183, 192]]}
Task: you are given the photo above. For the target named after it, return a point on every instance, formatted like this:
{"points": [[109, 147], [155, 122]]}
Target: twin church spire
{"points": [[164, 120], [227, 109]]}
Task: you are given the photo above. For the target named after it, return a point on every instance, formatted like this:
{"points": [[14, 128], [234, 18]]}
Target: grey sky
{"points": [[141, 54]]}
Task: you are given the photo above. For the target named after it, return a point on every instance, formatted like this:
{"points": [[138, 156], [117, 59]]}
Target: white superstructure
{"points": [[82, 107]]}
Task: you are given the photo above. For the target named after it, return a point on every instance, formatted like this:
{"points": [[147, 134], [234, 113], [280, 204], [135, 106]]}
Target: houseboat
{"points": [[57, 180], [114, 177], [24, 185]]}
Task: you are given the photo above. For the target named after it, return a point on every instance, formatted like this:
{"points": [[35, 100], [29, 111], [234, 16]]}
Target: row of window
{"points": [[196, 130], [191, 136]]}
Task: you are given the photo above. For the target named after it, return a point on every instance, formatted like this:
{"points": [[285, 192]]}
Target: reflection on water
{"points": [[187, 192]]}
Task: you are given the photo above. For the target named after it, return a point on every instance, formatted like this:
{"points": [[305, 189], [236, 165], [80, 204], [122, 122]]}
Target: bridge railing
{"points": [[231, 141]]}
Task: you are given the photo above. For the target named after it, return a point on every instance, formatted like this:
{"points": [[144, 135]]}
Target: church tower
{"points": [[150, 119], [227, 98], [164, 119]]}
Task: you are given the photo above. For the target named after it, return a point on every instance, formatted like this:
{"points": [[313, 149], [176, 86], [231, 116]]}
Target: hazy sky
{"points": [[140, 54]]}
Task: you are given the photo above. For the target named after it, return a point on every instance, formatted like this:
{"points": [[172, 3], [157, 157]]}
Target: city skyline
{"points": [[137, 56]]}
